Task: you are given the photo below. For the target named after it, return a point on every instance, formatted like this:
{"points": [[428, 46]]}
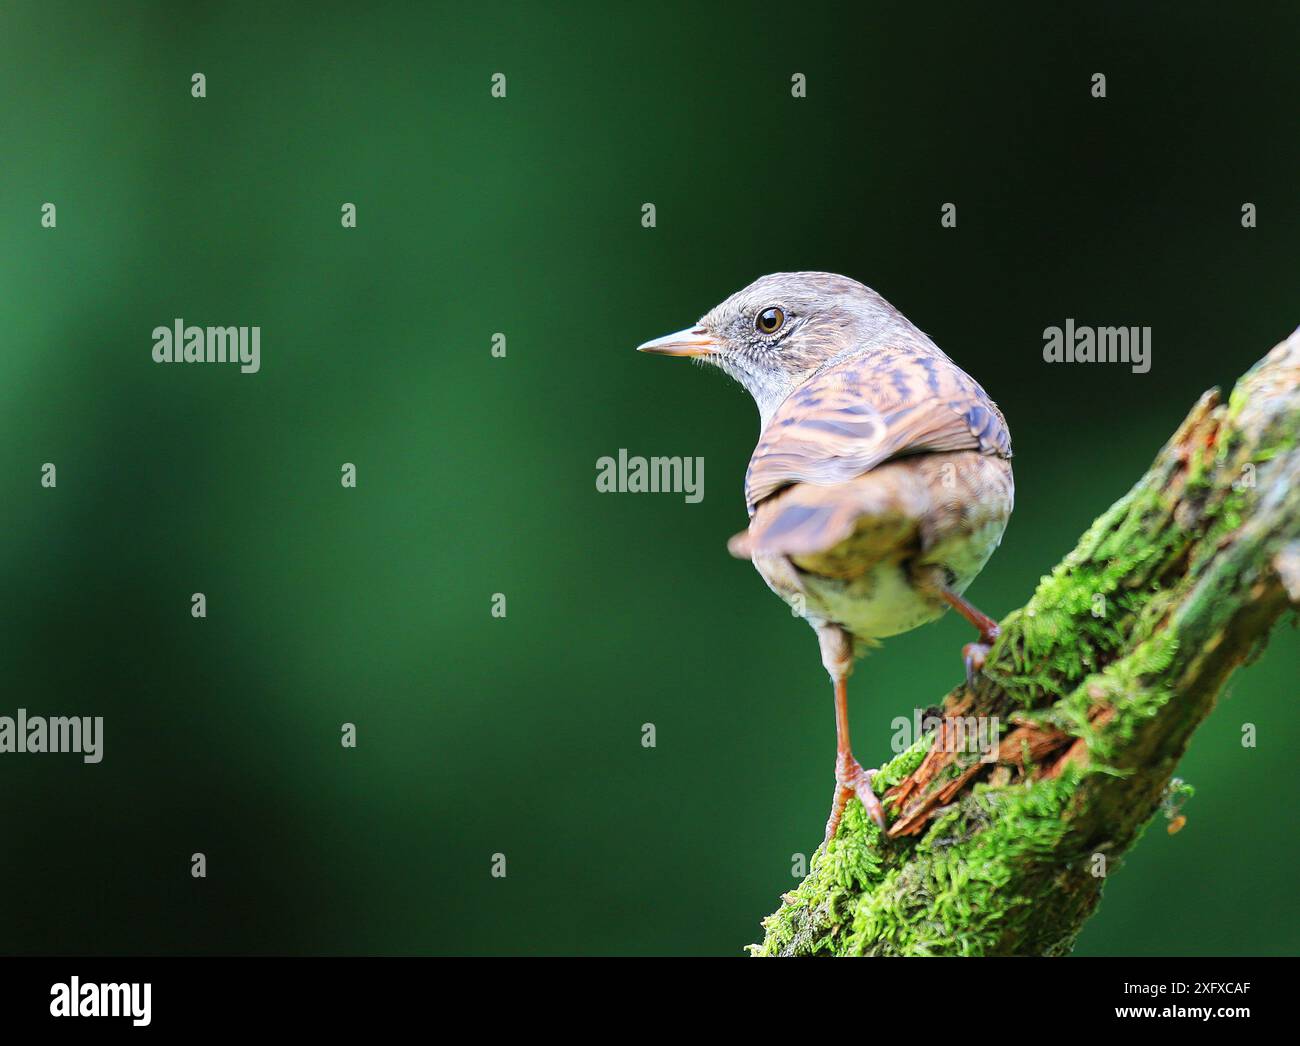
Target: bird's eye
{"points": [[769, 320]]}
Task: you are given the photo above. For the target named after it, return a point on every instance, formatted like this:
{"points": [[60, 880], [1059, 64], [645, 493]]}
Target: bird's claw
{"points": [[974, 655], [852, 780]]}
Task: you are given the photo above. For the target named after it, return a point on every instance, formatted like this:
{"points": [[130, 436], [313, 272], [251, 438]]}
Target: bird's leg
{"points": [[973, 654], [850, 778]]}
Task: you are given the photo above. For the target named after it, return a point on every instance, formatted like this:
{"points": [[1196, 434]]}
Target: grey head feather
{"points": [[827, 318]]}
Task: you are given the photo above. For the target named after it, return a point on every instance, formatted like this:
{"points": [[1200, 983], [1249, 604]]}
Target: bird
{"points": [[881, 482]]}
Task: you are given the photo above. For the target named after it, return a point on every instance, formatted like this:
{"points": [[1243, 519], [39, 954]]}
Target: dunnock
{"points": [[881, 482]]}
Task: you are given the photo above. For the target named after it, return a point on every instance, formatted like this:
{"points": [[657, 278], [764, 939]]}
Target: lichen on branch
{"points": [[1097, 683]]}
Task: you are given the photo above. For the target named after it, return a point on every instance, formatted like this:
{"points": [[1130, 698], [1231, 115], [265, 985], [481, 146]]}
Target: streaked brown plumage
{"points": [[881, 482]]}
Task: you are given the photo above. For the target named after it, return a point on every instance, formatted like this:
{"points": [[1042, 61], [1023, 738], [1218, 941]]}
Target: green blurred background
{"points": [[476, 475]]}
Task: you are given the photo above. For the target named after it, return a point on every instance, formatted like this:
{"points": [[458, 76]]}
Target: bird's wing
{"points": [[865, 411], [880, 511], [902, 508]]}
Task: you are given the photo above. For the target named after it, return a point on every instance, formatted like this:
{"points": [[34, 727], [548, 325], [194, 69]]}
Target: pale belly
{"points": [[886, 600]]}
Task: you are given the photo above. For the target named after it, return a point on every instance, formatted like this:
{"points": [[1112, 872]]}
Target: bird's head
{"points": [[777, 332]]}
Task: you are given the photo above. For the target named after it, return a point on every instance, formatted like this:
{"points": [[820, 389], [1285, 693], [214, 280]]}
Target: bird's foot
{"points": [[851, 780], [974, 655]]}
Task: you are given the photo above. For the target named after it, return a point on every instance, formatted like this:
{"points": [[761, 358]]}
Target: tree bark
{"points": [[1090, 694]]}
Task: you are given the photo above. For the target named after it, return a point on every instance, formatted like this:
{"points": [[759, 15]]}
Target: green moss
{"points": [[966, 884], [902, 764], [1081, 614]]}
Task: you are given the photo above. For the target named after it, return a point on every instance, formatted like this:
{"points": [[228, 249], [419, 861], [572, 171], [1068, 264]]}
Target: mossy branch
{"points": [[1097, 684]]}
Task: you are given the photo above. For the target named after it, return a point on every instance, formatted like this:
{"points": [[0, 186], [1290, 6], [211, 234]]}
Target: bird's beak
{"points": [[694, 342]]}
